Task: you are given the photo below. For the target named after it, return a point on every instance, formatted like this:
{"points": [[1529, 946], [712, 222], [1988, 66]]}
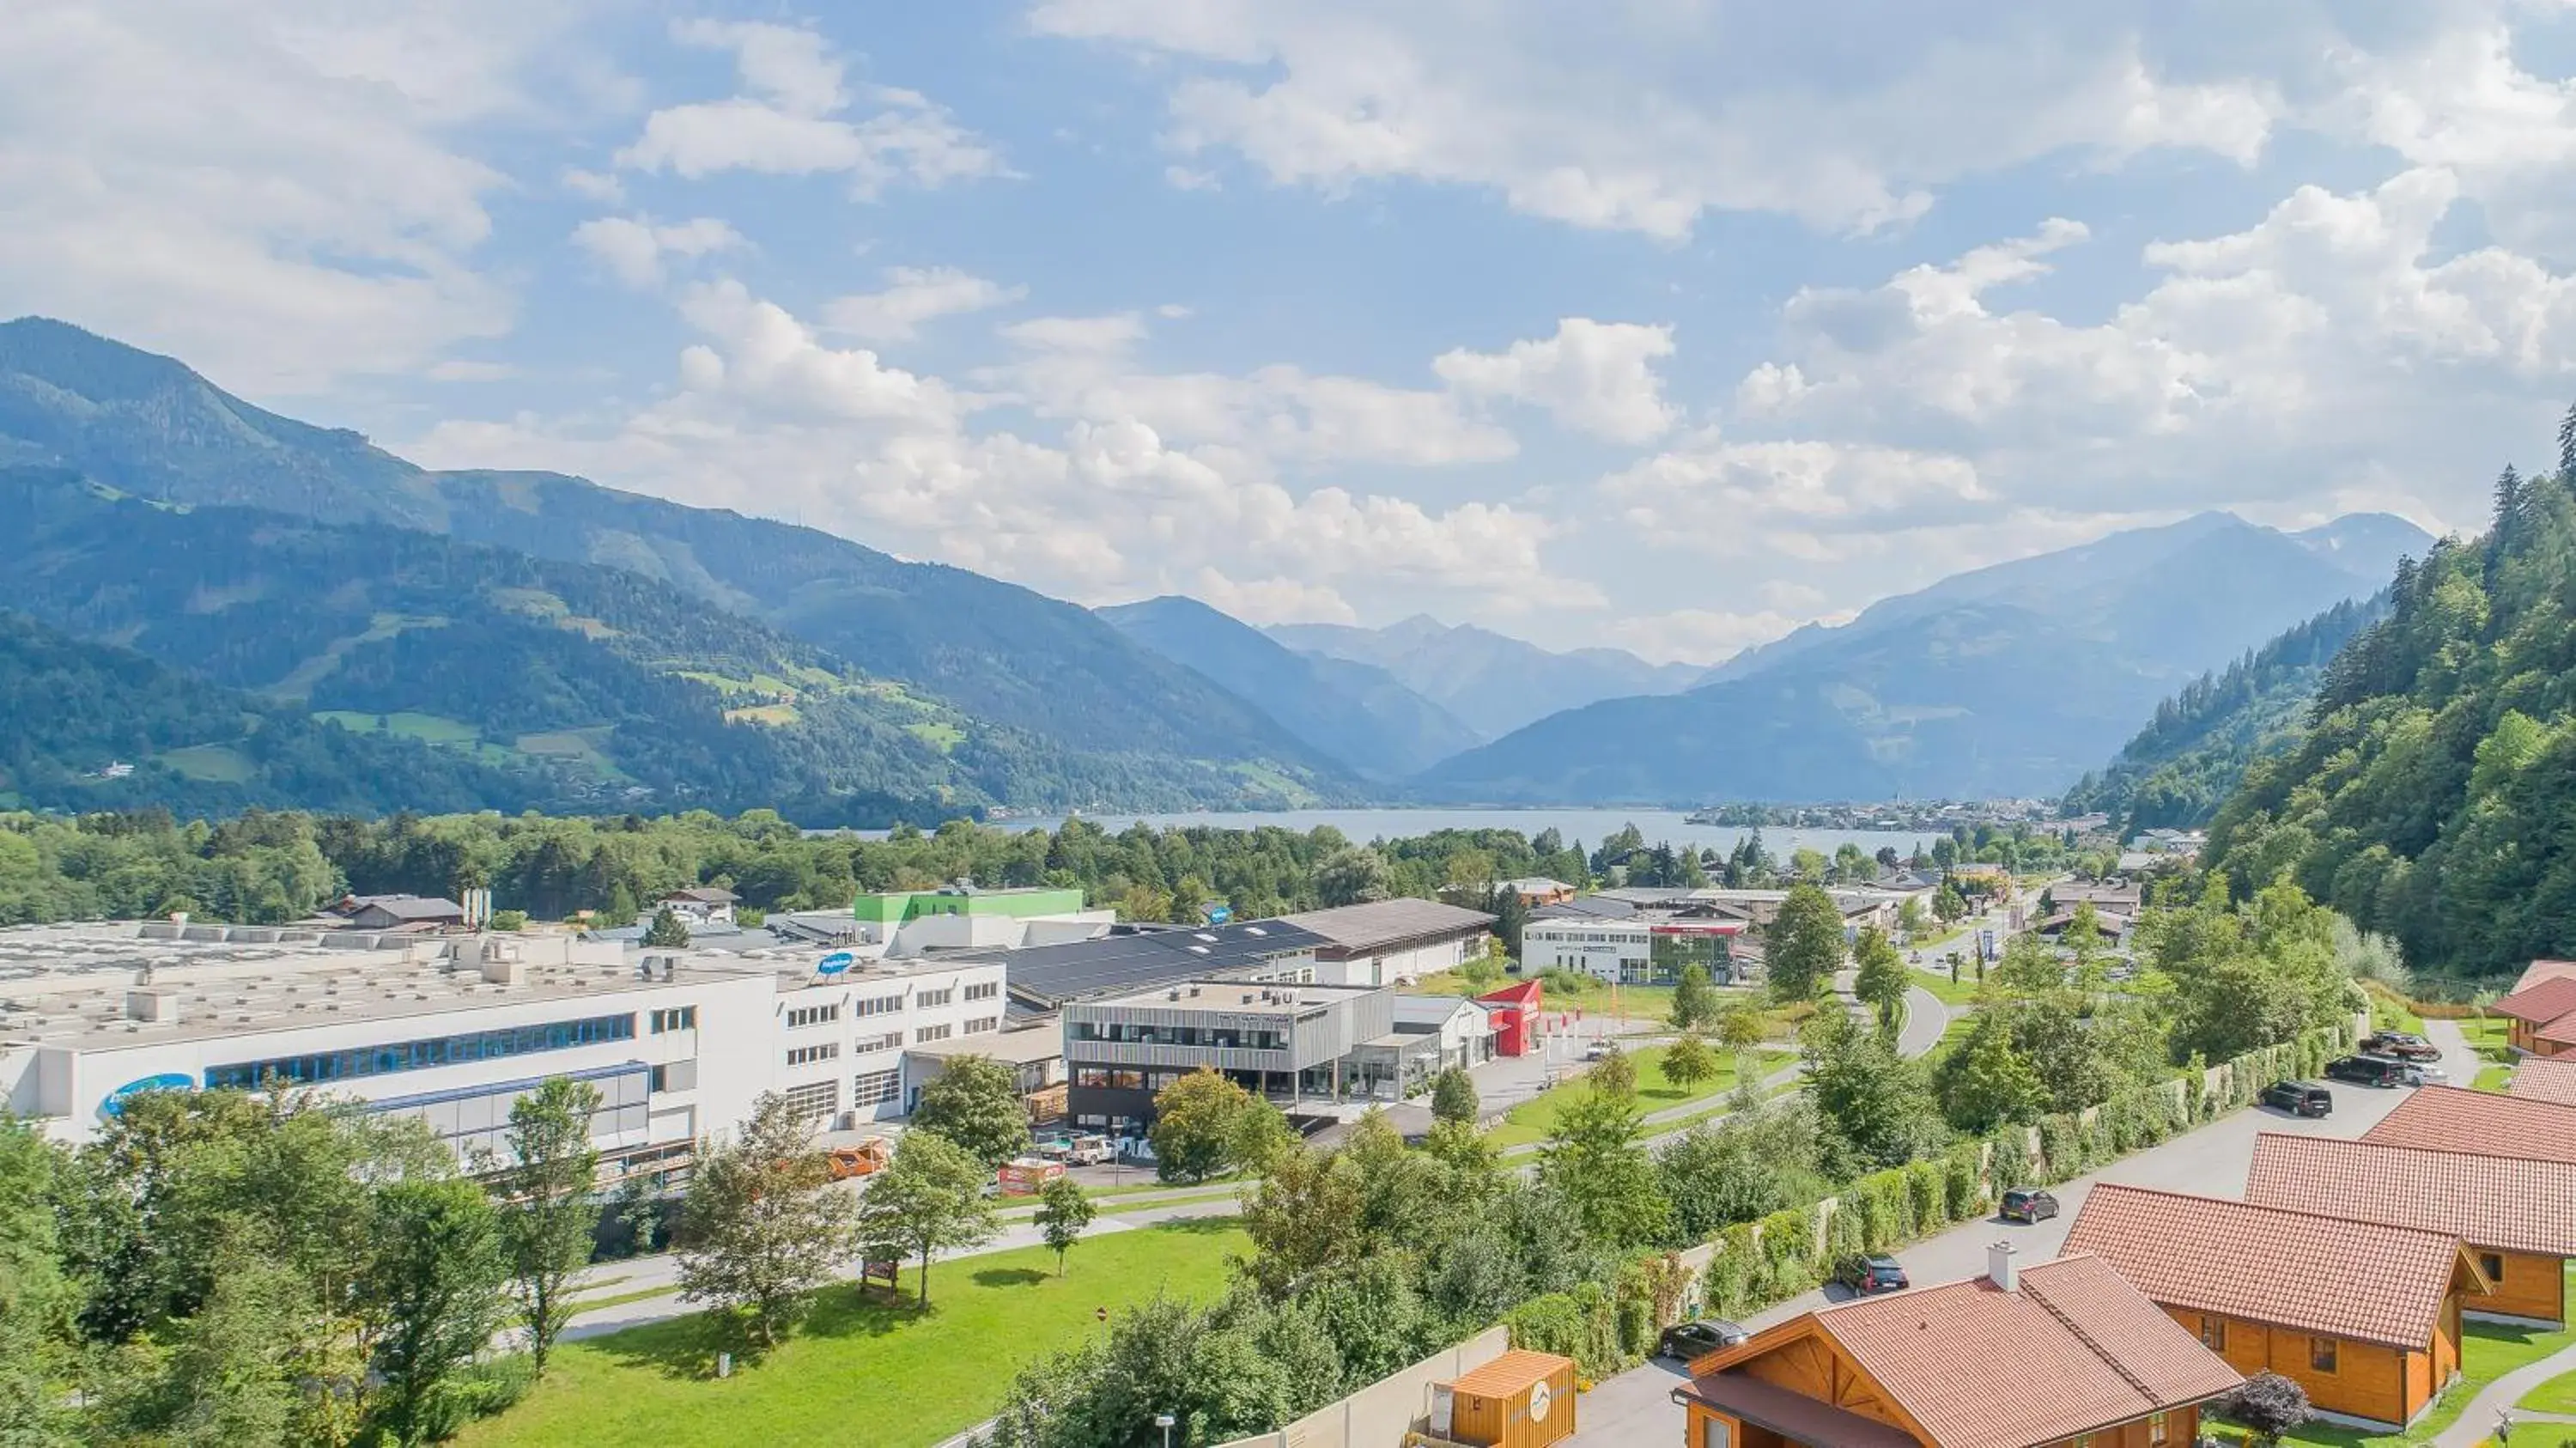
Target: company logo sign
{"points": [[114, 1105], [836, 963]]}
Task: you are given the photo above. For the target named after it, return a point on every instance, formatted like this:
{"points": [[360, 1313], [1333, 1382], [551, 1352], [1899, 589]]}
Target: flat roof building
{"points": [[1285, 1041], [1395, 942]]}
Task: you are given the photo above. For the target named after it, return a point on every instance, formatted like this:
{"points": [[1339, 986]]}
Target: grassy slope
{"points": [[861, 1371], [1534, 1118]]}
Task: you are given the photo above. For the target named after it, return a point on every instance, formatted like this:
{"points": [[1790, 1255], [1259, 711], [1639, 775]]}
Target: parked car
{"points": [[2405, 1045], [1598, 1050], [1871, 1274], [2299, 1098], [2028, 1204], [1687, 1340], [2369, 1070]]}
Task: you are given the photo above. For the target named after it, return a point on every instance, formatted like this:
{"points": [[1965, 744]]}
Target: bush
{"points": [[509, 920], [1580, 1324]]}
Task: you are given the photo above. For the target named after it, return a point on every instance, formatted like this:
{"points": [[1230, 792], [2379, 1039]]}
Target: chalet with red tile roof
{"points": [[2548, 1079], [2518, 1217], [1963, 1366], [2450, 1118], [2541, 1017], [2540, 970], [2365, 1317]]}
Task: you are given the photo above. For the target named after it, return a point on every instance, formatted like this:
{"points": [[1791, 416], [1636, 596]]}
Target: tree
{"points": [[1688, 1061], [929, 1200], [1740, 1031], [1909, 917], [1064, 1214], [1696, 1002], [1453, 1096], [668, 931], [1261, 1132], [1948, 904], [1986, 1083], [1594, 1157], [974, 1102], [35, 1300], [549, 1217], [2270, 1406], [1351, 875], [1875, 1108], [1198, 1126], [1614, 1074], [1805, 944], [761, 1225], [432, 1295], [1879, 977]]}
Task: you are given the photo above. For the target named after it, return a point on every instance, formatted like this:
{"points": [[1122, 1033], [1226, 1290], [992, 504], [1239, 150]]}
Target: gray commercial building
{"points": [[1285, 1041]]}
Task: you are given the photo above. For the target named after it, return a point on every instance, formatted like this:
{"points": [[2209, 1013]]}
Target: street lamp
{"points": [[1164, 1422]]}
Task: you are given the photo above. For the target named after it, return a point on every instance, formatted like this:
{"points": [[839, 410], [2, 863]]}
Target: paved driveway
{"points": [[1636, 1407]]}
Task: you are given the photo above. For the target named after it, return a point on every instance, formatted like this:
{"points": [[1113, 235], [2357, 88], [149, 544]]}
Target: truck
{"points": [[1085, 1150], [861, 1158]]}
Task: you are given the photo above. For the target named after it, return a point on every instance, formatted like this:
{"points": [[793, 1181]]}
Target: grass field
{"points": [[775, 715], [1963, 993], [1533, 1119], [2558, 1395], [216, 763], [427, 728], [2487, 1038], [860, 1370], [2490, 1351], [942, 737]]}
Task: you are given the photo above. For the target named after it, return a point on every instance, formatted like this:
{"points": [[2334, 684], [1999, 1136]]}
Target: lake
{"points": [[1590, 826]]}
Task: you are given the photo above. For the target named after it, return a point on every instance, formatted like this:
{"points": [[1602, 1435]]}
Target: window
{"points": [[2159, 1430], [983, 990], [675, 1018], [2321, 1354], [2492, 1264], [982, 1024], [817, 1098], [808, 1055], [804, 1016], [932, 1033], [876, 1006], [1716, 1433], [657, 1078], [876, 1088], [422, 1055], [887, 1042], [2213, 1333], [930, 998]]}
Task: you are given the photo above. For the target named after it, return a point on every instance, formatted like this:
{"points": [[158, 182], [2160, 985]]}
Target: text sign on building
{"points": [[114, 1105]]}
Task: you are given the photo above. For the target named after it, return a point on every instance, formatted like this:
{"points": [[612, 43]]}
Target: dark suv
{"points": [[2370, 1070], [2028, 1204], [2299, 1098], [1871, 1274], [2404, 1045], [1688, 1340]]}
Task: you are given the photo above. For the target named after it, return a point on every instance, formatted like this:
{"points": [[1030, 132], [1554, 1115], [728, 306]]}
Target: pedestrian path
{"points": [[2477, 1424]]}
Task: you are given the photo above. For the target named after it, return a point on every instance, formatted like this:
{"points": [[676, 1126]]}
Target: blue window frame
{"points": [[425, 1054]]}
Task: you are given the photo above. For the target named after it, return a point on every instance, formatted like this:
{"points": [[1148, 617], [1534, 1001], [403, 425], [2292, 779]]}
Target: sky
{"points": [[1664, 324]]}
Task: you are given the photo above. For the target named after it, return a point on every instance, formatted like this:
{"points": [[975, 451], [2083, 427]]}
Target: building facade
{"points": [[1284, 1042], [1634, 951]]}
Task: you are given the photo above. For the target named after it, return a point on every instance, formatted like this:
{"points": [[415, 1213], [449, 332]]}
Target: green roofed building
{"points": [[892, 908]]}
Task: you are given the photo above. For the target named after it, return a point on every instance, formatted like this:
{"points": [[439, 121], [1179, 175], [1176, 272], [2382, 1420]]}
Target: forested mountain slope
{"points": [[2195, 751], [2434, 797], [1015, 659]]}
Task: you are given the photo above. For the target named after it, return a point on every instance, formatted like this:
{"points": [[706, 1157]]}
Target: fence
{"points": [[1381, 1414]]}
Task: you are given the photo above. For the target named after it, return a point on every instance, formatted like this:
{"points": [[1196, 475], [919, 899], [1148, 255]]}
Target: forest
{"points": [[2429, 796]]}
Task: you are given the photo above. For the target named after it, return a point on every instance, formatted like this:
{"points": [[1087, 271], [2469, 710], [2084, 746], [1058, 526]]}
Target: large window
{"points": [[2321, 1354], [983, 990], [891, 1040], [675, 1018], [425, 1054], [932, 1033], [981, 1024], [808, 1055], [930, 998], [876, 1006], [876, 1088], [804, 1016], [817, 1098]]}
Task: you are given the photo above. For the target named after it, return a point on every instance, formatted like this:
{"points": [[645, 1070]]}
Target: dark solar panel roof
{"points": [[1047, 975]]}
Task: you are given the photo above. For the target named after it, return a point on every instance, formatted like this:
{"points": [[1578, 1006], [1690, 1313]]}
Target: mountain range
{"points": [[1085, 716], [2010, 680], [1491, 682]]}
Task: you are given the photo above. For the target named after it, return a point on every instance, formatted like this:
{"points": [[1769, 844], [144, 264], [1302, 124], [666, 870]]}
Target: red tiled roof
{"points": [[2448, 1118], [2358, 1280], [2541, 970], [2561, 1031], [2545, 1078], [1962, 1359], [2539, 1004], [2486, 1201]]}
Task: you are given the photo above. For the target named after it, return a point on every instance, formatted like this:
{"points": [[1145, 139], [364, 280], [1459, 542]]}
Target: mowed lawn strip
{"points": [[857, 1370], [1533, 1119]]}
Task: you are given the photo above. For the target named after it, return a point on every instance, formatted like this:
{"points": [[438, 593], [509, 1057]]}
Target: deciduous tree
{"points": [[549, 1213], [432, 1296], [1805, 944], [1198, 1126], [1688, 1061], [1879, 978], [762, 1224], [1453, 1096], [929, 1200], [974, 1102], [1696, 1003], [1063, 1215]]}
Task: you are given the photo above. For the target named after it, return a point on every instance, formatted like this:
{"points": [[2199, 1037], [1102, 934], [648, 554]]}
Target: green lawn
{"points": [[1533, 1119], [2558, 1395], [2487, 1037], [860, 1370], [2389, 1012], [220, 763], [1964, 993], [2492, 1350]]}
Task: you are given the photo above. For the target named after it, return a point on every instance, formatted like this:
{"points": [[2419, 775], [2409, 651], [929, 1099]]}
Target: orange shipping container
{"points": [[1519, 1400]]}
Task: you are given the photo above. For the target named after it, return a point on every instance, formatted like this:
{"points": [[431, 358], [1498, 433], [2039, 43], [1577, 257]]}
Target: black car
{"points": [[1872, 1274], [2028, 1204], [2299, 1098], [2370, 1070], [2404, 1045], [1688, 1340]]}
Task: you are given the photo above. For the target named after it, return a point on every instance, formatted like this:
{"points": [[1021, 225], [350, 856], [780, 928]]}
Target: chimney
{"points": [[2000, 1269]]}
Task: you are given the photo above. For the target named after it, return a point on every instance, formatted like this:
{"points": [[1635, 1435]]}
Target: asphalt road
{"points": [[1637, 1407]]}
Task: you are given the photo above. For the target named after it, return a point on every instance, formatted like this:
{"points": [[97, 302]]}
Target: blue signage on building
{"points": [[1219, 914], [836, 963], [114, 1105]]}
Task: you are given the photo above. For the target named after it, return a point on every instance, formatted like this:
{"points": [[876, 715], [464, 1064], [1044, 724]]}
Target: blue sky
{"points": [[1663, 323]]}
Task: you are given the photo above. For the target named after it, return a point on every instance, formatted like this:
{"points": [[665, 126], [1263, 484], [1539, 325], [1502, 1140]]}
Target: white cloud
{"points": [[632, 248], [1594, 377], [794, 122], [913, 296], [276, 191], [600, 186], [1645, 117]]}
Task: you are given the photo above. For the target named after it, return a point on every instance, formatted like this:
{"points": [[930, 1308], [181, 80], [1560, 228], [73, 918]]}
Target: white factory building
{"points": [[455, 1027]]}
